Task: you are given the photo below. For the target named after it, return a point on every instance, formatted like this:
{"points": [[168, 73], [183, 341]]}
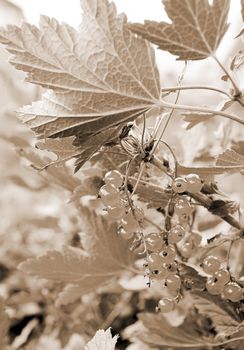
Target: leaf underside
{"points": [[97, 78], [196, 30]]}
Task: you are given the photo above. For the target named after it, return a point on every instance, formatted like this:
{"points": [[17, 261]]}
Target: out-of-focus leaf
{"points": [[4, 324], [155, 196], [104, 257], [102, 340], [16, 140], [19, 181], [196, 30], [229, 163], [59, 175], [223, 323], [98, 78], [191, 278], [158, 332], [63, 148], [193, 119], [242, 9], [89, 186], [227, 307], [230, 159]]}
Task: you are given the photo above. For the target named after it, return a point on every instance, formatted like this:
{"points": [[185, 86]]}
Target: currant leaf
{"points": [[230, 158], [155, 196], [227, 162], [196, 30], [97, 78], [193, 119], [158, 332], [105, 256], [242, 9]]}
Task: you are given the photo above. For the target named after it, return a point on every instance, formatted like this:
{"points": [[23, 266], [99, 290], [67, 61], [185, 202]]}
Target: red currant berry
{"points": [[194, 183], [129, 223], [233, 292], [222, 276], [114, 177], [183, 206], [176, 234], [213, 286], [179, 185], [130, 226], [186, 249], [155, 261], [211, 264], [173, 282], [116, 213], [110, 196], [154, 242], [126, 235], [160, 274], [168, 254], [171, 268], [166, 305]]}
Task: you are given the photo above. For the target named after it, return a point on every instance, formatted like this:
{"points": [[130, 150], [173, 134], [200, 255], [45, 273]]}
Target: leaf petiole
{"points": [[203, 110], [196, 87], [236, 89]]}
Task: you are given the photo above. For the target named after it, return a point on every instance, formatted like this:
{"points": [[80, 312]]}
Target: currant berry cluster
{"points": [[190, 183], [183, 209], [110, 195], [162, 266], [113, 196], [162, 261], [220, 281]]}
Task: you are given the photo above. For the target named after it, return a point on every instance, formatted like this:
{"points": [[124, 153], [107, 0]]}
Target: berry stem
{"points": [[159, 164]]}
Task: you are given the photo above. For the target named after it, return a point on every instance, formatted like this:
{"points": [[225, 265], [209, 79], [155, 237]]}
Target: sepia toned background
{"points": [[36, 215]]}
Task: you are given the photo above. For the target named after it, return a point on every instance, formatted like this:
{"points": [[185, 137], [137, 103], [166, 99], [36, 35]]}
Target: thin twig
{"points": [[203, 110], [196, 87], [236, 89], [168, 118], [138, 178], [143, 130]]}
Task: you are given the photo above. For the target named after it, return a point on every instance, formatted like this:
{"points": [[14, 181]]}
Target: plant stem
{"points": [[207, 202], [236, 89], [203, 199], [203, 110], [168, 118], [157, 162], [196, 87]]}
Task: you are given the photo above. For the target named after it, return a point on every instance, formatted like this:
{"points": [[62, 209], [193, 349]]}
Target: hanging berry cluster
{"points": [[167, 247]]}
